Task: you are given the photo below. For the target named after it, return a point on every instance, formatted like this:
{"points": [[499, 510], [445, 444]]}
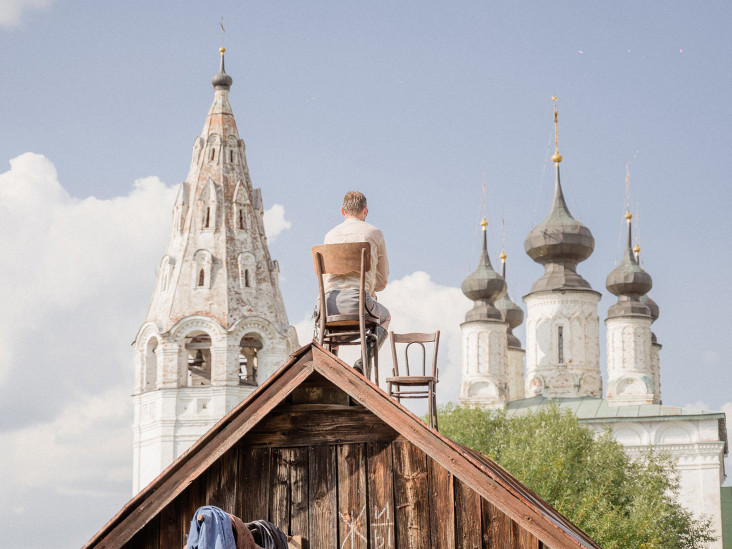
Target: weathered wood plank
{"points": [[148, 537], [174, 524], [442, 506], [221, 482], [299, 492], [497, 527], [254, 484], [347, 425], [323, 497], [381, 495], [526, 540], [279, 503], [411, 496], [352, 519], [467, 516]]}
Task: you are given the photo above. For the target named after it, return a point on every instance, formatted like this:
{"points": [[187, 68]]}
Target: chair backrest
{"points": [[340, 259], [415, 339]]}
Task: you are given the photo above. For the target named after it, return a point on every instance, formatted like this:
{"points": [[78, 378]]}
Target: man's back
{"points": [[355, 230]]}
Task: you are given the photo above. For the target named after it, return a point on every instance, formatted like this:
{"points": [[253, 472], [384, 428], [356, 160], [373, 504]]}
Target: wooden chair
{"points": [[415, 386], [346, 329]]}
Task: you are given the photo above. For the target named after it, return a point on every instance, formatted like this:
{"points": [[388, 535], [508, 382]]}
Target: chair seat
{"points": [[410, 380]]}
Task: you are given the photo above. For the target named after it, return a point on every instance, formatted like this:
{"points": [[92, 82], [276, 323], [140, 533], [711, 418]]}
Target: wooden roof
{"points": [[479, 473]]}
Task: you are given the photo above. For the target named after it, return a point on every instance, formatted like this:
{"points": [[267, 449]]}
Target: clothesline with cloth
{"points": [[212, 528]]}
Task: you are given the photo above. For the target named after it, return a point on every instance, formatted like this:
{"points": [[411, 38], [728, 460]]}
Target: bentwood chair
{"points": [[346, 329], [408, 383]]}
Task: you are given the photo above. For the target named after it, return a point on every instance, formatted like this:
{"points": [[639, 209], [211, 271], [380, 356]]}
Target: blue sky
{"points": [[417, 104]]}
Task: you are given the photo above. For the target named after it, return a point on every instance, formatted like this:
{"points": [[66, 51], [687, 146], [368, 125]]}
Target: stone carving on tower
{"points": [[513, 316], [562, 327], [484, 379], [216, 326], [629, 341]]}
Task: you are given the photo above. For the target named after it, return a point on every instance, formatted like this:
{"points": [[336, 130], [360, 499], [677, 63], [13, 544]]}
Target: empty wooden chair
{"points": [[346, 329], [415, 382]]}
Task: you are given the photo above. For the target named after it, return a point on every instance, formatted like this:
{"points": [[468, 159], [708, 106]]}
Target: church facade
{"points": [[216, 326], [562, 355]]}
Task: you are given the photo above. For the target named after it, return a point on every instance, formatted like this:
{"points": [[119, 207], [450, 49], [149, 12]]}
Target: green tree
{"points": [[619, 502]]}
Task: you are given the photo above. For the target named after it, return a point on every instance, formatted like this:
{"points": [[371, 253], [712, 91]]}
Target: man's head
{"points": [[354, 205]]}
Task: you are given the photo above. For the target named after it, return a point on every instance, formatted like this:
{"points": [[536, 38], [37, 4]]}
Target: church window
{"points": [[246, 278], [241, 218], [231, 157], [213, 153], [207, 218], [201, 277], [151, 366], [198, 359], [249, 347], [560, 344]]}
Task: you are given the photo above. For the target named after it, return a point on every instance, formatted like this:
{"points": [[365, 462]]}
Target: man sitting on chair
{"points": [[341, 291]]}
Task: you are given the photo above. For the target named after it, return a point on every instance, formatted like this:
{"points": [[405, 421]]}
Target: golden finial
{"points": [[503, 256], [484, 223], [628, 216], [556, 157], [636, 250], [222, 50]]}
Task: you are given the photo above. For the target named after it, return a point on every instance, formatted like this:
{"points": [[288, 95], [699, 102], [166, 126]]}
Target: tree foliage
{"points": [[619, 502]]}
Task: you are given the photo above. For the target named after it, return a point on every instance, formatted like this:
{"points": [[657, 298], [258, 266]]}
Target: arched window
{"points": [[246, 278], [201, 277], [241, 218], [203, 269], [560, 344], [198, 359], [249, 347], [150, 373], [231, 156], [213, 154]]}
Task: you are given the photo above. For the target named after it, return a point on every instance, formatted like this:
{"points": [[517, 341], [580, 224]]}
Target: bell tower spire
{"points": [[216, 326]]}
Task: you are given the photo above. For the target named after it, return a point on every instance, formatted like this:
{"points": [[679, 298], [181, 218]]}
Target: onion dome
{"points": [[629, 282], [484, 286], [222, 80], [652, 305], [559, 242], [511, 313]]}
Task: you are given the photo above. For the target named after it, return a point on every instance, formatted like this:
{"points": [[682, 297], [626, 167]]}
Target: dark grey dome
{"points": [[484, 286], [629, 282], [559, 243], [511, 313], [222, 80]]}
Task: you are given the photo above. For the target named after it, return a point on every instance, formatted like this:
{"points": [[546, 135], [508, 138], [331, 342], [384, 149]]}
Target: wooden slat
{"points": [[467, 516], [442, 506], [148, 537], [254, 483], [381, 495], [174, 523], [323, 497], [221, 482], [352, 518], [411, 496], [526, 540], [317, 427], [497, 528], [299, 492], [279, 503]]}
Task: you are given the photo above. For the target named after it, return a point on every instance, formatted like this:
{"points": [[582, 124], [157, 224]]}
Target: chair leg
{"points": [[434, 406], [429, 405], [376, 362]]}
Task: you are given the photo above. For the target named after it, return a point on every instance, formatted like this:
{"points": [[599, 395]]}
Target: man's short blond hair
{"points": [[354, 202]]}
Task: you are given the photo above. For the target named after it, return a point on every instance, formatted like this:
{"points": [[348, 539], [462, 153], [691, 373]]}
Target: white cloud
{"points": [[77, 277], [11, 11], [275, 222], [417, 304]]}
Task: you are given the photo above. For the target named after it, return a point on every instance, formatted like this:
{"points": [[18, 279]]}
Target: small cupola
{"points": [[222, 80], [629, 282], [484, 286], [512, 314]]}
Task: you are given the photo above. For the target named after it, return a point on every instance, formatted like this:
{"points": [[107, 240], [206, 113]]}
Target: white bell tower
{"points": [[216, 326]]}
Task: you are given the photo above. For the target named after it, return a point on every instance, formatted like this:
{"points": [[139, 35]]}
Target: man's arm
{"points": [[382, 265]]}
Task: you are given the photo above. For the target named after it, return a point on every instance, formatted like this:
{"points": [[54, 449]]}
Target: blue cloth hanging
{"points": [[214, 532]]}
